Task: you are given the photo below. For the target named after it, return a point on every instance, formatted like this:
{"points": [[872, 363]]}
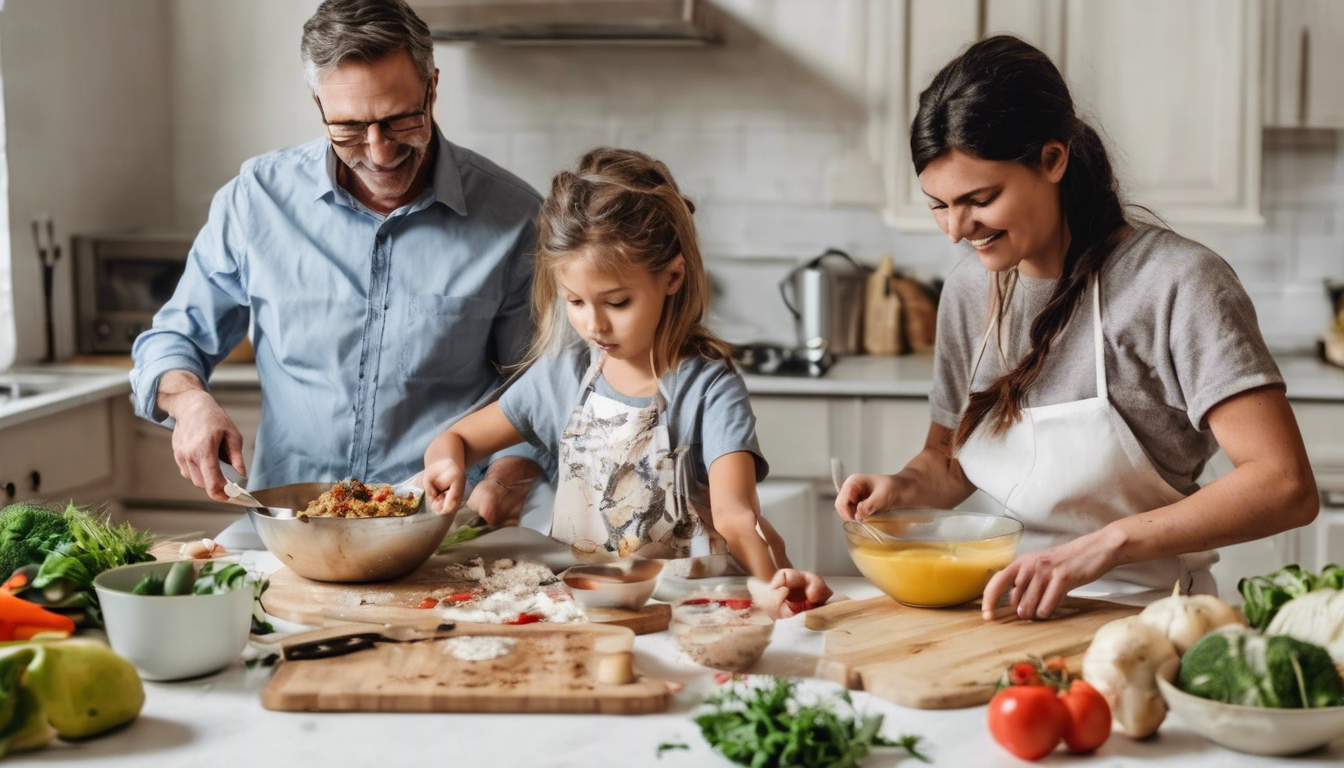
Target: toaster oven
{"points": [[121, 280]]}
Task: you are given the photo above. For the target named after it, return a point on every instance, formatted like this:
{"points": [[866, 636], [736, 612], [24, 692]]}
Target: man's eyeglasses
{"points": [[351, 134]]}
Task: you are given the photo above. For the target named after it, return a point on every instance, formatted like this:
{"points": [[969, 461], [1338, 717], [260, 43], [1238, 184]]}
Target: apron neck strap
{"points": [[589, 384], [1098, 341]]}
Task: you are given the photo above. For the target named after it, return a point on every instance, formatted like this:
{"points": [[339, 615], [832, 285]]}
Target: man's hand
{"points": [[500, 495], [203, 433]]}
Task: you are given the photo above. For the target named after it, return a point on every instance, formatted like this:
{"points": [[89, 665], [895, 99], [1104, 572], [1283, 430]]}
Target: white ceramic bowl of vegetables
{"points": [[1269, 678], [177, 619]]}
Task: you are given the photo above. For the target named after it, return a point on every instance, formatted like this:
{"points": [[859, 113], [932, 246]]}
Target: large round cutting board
{"points": [[315, 603]]}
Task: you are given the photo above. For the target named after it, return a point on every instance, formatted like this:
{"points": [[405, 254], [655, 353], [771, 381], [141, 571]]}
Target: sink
{"points": [[16, 386]]}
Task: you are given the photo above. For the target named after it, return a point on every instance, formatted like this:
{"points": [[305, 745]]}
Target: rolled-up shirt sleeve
{"points": [[208, 313]]}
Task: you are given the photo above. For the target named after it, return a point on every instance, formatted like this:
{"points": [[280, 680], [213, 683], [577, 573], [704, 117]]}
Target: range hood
{"points": [[567, 21]]}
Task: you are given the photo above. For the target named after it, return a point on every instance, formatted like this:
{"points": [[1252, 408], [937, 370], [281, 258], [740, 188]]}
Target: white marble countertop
{"points": [[908, 376], [218, 721]]}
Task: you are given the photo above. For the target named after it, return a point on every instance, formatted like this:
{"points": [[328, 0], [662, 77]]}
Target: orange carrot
{"points": [[20, 619]]}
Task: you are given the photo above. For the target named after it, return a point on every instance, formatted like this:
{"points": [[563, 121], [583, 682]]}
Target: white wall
{"points": [[753, 129], [126, 114], [87, 135]]}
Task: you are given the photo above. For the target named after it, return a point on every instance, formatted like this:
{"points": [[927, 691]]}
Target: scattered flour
{"points": [[479, 647], [514, 588]]}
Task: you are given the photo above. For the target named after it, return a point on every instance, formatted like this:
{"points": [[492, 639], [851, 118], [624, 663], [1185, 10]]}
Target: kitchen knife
{"points": [[356, 639]]}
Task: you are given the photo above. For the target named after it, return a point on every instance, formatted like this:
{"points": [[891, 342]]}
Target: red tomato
{"points": [[1027, 720], [1089, 723], [1023, 674]]}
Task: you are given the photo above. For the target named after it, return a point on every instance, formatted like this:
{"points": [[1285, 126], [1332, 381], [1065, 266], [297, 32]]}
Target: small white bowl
{"points": [[1257, 730], [172, 637], [623, 584]]}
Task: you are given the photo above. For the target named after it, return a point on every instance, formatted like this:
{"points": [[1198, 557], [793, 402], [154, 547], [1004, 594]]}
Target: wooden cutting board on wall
{"points": [[945, 658], [550, 668], [323, 604]]}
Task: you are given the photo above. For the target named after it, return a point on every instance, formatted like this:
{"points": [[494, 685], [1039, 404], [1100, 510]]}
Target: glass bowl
{"points": [[721, 630], [932, 558]]}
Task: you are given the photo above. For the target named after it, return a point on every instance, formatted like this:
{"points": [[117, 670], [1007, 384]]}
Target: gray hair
{"points": [[366, 30]]}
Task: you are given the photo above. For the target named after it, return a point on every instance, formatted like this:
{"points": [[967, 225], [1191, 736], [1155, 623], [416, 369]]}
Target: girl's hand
{"points": [[863, 495], [1038, 581], [443, 482], [791, 592]]}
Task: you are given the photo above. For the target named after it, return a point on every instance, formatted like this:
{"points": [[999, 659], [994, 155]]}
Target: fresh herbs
{"points": [[668, 746], [465, 533], [767, 726], [96, 545]]}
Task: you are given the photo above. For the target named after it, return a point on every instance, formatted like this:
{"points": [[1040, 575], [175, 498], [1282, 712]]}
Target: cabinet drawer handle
{"points": [[10, 490], [36, 480]]}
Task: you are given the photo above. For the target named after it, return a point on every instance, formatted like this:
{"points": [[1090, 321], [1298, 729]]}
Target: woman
{"points": [[1087, 365]]}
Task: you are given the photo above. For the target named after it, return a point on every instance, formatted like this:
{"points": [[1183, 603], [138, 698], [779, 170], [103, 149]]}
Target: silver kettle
{"points": [[825, 296]]}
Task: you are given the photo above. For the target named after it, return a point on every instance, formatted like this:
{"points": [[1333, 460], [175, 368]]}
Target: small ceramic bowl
{"points": [[1257, 730], [172, 637], [625, 584]]}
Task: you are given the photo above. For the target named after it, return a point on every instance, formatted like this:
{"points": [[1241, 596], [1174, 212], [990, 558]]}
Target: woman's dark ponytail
{"points": [[1004, 100]]}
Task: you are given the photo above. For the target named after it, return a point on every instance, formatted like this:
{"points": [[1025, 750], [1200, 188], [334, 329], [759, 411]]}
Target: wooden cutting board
{"points": [[551, 668], [323, 604], [945, 658]]}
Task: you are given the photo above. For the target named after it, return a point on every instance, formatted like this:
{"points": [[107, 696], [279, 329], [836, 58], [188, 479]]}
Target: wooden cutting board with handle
{"points": [[323, 604], [945, 658], [549, 668]]}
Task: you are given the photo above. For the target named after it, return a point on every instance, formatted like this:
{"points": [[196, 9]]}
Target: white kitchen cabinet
{"points": [[63, 457], [1303, 61], [155, 478], [1174, 89]]}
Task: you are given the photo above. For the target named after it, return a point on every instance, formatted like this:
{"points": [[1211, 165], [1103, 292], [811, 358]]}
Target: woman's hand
{"points": [[790, 592], [443, 482], [1039, 580], [863, 495]]}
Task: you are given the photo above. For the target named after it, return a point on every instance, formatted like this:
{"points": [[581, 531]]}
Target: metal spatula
{"points": [[838, 478]]}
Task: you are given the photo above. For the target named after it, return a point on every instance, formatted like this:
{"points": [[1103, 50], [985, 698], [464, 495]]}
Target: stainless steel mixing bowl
{"points": [[344, 549]]}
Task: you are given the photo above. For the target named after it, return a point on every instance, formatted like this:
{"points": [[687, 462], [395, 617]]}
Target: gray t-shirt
{"points": [[1180, 336], [708, 408]]}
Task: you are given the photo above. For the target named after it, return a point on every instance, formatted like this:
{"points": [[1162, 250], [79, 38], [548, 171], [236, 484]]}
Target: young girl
{"points": [[644, 408]]}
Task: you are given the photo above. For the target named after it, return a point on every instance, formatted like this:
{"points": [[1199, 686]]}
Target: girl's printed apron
{"points": [[1069, 469], [622, 488]]}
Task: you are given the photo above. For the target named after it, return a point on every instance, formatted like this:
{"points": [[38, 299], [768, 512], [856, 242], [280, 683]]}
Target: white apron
{"points": [[1069, 469], [621, 487]]}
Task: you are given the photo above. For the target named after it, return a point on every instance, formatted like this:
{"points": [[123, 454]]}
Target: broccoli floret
{"points": [[1239, 666], [27, 533]]}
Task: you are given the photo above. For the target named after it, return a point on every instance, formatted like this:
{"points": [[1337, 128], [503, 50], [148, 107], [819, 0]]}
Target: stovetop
{"points": [[762, 359]]}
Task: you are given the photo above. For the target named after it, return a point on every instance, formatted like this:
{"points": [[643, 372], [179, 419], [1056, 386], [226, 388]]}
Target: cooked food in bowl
{"points": [[932, 558], [351, 498], [346, 549]]}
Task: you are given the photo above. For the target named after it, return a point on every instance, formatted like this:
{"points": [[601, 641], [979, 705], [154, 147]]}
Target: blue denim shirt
{"points": [[372, 333]]}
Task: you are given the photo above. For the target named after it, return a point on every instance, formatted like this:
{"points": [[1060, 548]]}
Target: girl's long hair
{"points": [[623, 209], [1003, 99]]}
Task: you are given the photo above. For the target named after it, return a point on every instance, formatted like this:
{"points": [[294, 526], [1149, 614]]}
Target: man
{"points": [[384, 270]]}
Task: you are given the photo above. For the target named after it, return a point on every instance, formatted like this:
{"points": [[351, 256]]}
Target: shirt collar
{"points": [[445, 181]]}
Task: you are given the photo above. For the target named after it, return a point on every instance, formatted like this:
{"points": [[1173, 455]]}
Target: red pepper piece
{"points": [[735, 604], [460, 597], [428, 602], [526, 618]]}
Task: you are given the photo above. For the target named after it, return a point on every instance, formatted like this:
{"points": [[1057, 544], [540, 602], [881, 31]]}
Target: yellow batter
{"points": [[933, 574]]}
